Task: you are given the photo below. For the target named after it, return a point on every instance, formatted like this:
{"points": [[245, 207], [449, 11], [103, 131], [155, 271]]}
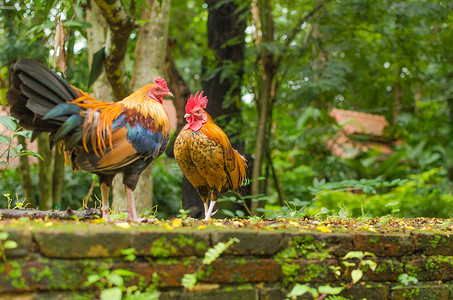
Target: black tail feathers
{"points": [[35, 91]]}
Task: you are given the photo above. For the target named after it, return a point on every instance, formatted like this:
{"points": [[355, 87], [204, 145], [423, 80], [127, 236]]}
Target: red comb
{"points": [[160, 82], [197, 101]]}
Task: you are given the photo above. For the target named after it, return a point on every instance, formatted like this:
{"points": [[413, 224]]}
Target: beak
{"points": [[169, 94], [187, 115]]}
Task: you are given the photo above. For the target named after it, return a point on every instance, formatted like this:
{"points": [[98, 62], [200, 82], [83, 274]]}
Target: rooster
{"points": [[100, 137], [205, 155]]}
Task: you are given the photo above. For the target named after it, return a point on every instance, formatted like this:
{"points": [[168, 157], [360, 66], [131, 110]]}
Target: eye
{"points": [[199, 111], [157, 90]]}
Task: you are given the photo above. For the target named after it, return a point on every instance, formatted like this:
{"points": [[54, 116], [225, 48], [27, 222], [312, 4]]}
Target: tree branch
{"points": [[120, 28], [67, 214], [297, 29]]}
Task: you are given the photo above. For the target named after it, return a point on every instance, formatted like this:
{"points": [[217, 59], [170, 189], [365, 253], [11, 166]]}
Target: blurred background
{"points": [[342, 108]]}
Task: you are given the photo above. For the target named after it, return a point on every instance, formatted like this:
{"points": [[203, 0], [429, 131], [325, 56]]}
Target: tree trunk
{"points": [[25, 177], [120, 26], [58, 175], [224, 94], [149, 64], [45, 172], [96, 38], [263, 21], [181, 92]]}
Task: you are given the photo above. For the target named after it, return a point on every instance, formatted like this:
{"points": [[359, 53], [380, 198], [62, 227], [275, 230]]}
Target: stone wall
{"points": [[54, 261]]}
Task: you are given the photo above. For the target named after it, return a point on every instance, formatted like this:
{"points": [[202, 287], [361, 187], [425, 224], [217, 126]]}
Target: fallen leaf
{"points": [[323, 229], [123, 225]]}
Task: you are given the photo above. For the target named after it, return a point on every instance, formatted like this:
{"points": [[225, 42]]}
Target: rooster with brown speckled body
{"points": [[101, 137], [205, 155]]}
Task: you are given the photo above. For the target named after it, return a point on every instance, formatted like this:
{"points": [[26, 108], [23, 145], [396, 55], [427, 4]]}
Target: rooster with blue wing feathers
{"points": [[103, 138]]}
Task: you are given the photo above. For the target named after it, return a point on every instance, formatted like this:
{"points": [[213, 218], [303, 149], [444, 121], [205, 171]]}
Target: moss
{"points": [[390, 266], [290, 270], [15, 275], [184, 241], [240, 260], [412, 270], [201, 246], [161, 248], [434, 242], [247, 286], [307, 247], [373, 240], [411, 293], [314, 271], [237, 277]]}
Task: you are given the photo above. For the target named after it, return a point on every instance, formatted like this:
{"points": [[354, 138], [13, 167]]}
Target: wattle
{"points": [[195, 125]]}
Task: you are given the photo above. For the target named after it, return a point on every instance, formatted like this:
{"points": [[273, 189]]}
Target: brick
{"points": [[24, 241], [367, 291], [50, 295], [252, 242], [385, 245], [434, 243], [170, 272], [312, 271], [386, 270], [430, 268], [222, 270], [81, 243], [337, 244], [170, 244], [47, 275], [226, 293], [271, 292], [419, 292], [244, 270]]}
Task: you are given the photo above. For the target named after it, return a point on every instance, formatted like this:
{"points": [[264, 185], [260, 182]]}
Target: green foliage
{"points": [[113, 285], [75, 187], [12, 152], [189, 280], [167, 187], [421, 195], [405, 279]]}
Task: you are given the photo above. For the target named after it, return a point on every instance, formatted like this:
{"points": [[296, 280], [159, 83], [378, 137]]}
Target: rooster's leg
{"points": [[206, 206], [209, 213], [105, 189], [132, 213]]}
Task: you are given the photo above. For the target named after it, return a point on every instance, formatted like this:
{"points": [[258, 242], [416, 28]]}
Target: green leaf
{"points": [[215, 251], [370, 263], [8, 122], [92, 279], [112, 294], [115, 279], [122, 272], [4, 235], [4, 139], [10, 245], [97, 66], [353, 254], [325, 289], [74, 23], [298, 290], [228, 213], [356, 275], [24, 133], [189, 281]]}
